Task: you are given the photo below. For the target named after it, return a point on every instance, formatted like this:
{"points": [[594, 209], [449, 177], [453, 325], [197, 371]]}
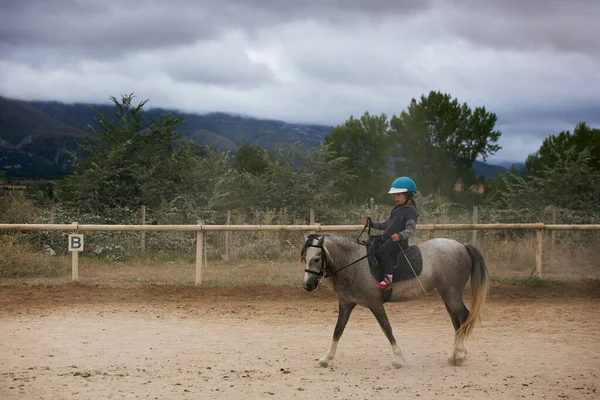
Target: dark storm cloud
{"points": [[561, 25], [101, 28], [532, 62], [106, 28]]}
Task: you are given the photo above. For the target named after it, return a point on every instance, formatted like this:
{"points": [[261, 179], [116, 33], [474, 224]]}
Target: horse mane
{"points": [[341, 240], [344, 241]]}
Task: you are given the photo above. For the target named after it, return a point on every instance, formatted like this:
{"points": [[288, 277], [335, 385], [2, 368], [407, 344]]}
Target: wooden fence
{"points": [[201, 229]]}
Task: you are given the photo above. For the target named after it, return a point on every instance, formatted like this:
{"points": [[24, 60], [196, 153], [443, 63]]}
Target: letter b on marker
{"points": [[75, 242]]}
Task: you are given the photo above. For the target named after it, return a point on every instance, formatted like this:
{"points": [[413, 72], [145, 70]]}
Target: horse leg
{"points": [[379, 313], [458, 314], [345, 309]]}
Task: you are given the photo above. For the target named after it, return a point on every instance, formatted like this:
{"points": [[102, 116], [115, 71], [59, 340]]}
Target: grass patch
{"points": [[23, 261], [515, 259]]}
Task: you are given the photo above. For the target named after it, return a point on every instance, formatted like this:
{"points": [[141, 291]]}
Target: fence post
{"points": [[52, 212], [143, 243], [312, 216], [538, 253], [199, 258], [205, 250], [74, 266], [474, 237], [227, 237], [74, 262], [553, 234]]}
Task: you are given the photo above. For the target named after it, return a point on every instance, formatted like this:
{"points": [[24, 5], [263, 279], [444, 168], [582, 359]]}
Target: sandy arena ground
{"points": [[159, 342]]}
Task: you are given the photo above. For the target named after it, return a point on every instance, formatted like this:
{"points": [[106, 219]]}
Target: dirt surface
{"points": [[90, 342]]}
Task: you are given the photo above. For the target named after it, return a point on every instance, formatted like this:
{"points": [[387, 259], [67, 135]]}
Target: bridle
{"points": [[324, 271]]}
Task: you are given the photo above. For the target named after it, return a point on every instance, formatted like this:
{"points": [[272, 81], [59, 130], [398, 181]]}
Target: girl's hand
{"points": [[367, 221], [395, 237]]}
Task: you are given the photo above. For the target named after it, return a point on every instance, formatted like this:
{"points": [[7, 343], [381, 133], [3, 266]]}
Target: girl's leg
{"points": [[387, 262]]}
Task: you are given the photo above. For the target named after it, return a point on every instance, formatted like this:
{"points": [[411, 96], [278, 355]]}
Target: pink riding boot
{"points": [[387, 281]]}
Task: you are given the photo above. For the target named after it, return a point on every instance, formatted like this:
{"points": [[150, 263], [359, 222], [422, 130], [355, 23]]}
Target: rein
{"points": [[364, 243]]}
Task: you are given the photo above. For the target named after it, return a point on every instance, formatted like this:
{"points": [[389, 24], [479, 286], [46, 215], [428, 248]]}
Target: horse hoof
{"points": [[456, 362], [323, 362], [398, 362]]}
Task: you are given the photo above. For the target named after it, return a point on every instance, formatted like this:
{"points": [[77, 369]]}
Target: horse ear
{"points": [[305, 236], [321, 240]]}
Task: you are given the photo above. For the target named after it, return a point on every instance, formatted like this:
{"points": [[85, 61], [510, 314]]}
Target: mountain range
{"points": [[36, 136]]}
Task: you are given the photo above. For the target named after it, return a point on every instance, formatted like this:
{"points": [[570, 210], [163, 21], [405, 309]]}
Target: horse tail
{"points": [[479, 291]]}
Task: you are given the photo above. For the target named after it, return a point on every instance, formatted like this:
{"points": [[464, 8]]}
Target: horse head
{"points": [[314, 254]]}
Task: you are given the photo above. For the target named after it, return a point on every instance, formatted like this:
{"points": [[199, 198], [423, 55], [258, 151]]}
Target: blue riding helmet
{"points": [[403, 184]]}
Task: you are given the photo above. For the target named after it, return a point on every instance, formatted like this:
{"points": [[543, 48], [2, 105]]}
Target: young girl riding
{"points": [[398, 227]]}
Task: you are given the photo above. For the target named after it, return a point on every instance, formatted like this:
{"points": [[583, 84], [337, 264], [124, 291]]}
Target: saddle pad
{"points": [[402, 269]]}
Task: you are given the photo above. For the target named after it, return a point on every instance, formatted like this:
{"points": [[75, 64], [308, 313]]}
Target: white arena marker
{"points": [[75, 246]]}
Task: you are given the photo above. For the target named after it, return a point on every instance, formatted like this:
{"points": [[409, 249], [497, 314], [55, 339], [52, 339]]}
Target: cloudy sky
{"points": [[535, 63]]}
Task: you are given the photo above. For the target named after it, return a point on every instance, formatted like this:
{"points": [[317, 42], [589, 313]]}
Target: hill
{"points": [[488, 171], [510, 164], [207, 129], [37, 136], [33, 144]]}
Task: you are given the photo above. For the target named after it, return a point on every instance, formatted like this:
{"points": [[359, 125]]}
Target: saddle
{"points": [[402, 269]]}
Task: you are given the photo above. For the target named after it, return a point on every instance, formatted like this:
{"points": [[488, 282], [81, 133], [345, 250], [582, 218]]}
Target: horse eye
{"points": [[317, 259]]}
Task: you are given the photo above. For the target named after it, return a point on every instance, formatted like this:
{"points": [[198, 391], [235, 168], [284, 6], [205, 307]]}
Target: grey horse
{"points": [[447, 265]]}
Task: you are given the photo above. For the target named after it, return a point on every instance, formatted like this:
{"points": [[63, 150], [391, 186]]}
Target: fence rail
{"points": [[200, 230]]}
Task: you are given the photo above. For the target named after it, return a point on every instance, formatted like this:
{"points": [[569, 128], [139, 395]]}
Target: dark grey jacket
{"points": [[402, 220]]}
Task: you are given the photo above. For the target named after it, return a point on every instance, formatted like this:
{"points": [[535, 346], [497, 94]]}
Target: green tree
{"points": [[298, 179], [252, 158], [209, 187], [568, 183], [129, 160], [364, 143], [555, 147], [437, 140]]}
